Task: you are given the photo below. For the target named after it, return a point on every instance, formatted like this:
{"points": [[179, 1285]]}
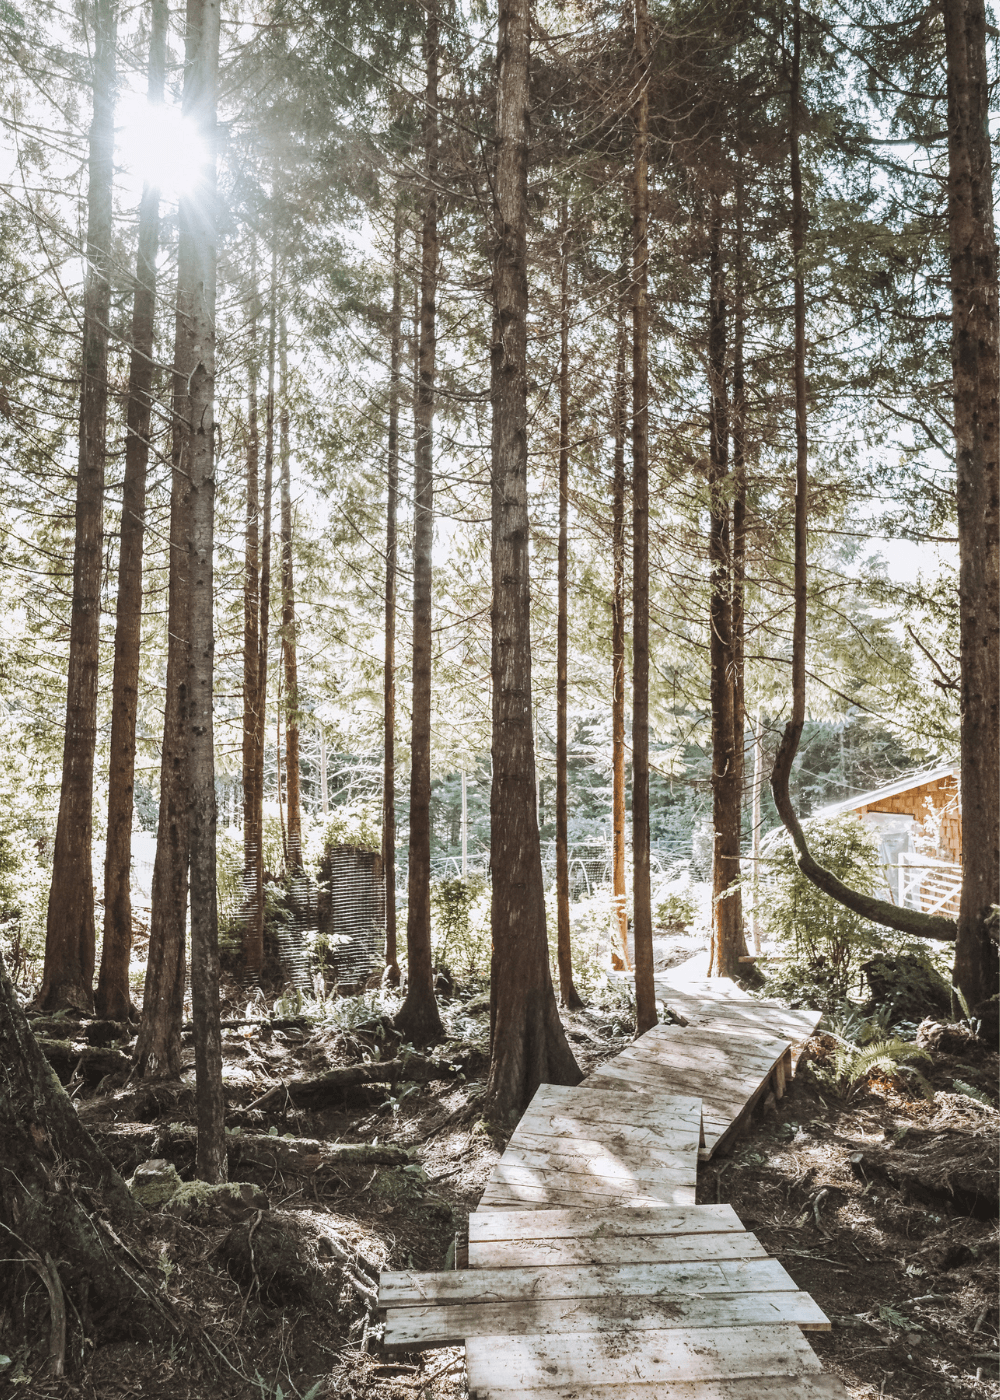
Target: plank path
{"points": [[592, 1272]]}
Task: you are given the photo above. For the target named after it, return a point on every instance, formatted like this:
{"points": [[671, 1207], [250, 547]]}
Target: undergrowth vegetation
{"points": [[819, 953]]}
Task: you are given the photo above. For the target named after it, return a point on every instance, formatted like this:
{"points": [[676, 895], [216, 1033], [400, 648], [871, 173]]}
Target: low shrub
{"points": [[674, 914], [460, 924], [819, 944]]}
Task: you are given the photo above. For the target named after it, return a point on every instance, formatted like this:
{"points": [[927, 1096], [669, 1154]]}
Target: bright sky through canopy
{"points": [[157, 144]]}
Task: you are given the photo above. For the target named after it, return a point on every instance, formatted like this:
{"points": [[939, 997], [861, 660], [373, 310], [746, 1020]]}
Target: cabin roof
{"points": [[893, 789]]}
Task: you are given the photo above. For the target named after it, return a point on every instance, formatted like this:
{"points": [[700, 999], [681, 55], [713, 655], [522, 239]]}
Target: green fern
{"points": [[897, 1319], [956, 992], [960, 1087], [852, 1064]]}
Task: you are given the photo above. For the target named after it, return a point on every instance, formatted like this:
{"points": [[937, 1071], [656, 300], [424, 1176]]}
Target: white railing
{"points": [[929, 884]]}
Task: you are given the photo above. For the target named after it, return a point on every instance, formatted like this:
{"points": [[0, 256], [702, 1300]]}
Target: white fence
{"points": [[929, 884]]}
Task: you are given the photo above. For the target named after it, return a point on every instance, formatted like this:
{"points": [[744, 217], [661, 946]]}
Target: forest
{"points": [[485, 490]]}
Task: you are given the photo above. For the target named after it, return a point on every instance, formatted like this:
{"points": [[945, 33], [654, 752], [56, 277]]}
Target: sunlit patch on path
{"points": [[591, 1269]]}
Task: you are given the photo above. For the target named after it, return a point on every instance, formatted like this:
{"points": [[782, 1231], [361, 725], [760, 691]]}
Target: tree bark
{"points": [[389, 672], [642, 916], [755, 823], [158, 1046], [975, 361], [418, 1016], [114, 999], [728, 944], [70, 935], [739, 431], [880, 911], [528, 1043], [293, 786], [252, 913], [57, 1189], [619, 422], [568, 995], [196, 281], [253, 928]]}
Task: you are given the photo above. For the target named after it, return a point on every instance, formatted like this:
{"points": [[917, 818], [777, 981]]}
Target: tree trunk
{"points": [[57, 1190], [418, 1017], [976, 385], [292, 771], [389, 673], [728, 945], [755, 822], [739, 430], [114, 1000], [618, 413], [528, 1043], [70, 936], [253, 928], [252, 913], [878, 910], [196, 278], [158, 1046], [642, 916], [277, 761], [568, 995]]}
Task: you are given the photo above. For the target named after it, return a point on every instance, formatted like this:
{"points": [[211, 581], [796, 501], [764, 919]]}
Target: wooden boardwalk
{"points": [[591, 1270]]}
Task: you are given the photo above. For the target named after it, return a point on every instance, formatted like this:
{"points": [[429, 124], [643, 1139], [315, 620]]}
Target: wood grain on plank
{"points": [[582, 1223], [411, 1288], [634, 1135], [706, 1048], [530, 1164], [723, 1092], [716, 988], [615, 1140], [670, 1110], [769, 1016], [595, 1359], [620, 1249], [414, 1328], [791, 1387], [519, 1197]]}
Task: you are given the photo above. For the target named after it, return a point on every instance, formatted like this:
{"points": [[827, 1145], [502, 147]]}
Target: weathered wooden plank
{"points": [[630, 1136], [681, 1046], [443, 1325], [500, 1194], [742, 1032], [670, 1110], [410, 1288], [719, 1076], [797, 1387], [723, 1097], [769, 1016], [717, 988], [593, 1224], [615, 1249], [536, 1165], [618, 1138], [527, 1364], [720, 1098]]}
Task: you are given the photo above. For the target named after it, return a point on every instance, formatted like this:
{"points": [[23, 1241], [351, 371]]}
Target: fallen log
{"points": [[329, 1087], [128, 1144], [280, 1023], [950, 1167], [94, 1062]]}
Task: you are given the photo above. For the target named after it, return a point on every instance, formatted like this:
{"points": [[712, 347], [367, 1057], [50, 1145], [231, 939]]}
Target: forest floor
{"points": [[883, 1206]]}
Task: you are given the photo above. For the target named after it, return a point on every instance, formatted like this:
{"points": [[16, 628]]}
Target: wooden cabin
{"points": [[919, 821]]}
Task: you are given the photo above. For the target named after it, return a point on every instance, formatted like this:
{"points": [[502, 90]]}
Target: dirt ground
{"points": [[882, 1206]]}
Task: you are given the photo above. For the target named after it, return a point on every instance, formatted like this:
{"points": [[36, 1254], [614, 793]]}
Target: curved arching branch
{"points": [[911, 921]]}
